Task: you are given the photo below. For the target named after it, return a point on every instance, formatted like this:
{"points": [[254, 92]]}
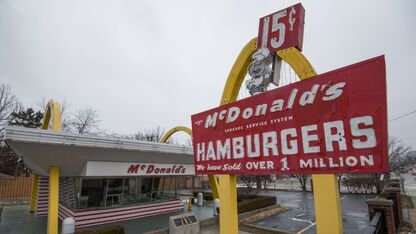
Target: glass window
{"points": [[110, 192], [92, 193]]}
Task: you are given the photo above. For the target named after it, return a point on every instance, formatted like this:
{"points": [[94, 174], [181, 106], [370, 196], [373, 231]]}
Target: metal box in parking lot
{"points": [[183, 224]]}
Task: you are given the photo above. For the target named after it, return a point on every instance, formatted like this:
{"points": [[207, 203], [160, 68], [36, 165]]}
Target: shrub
{"points": [[246, 202], [107, 230], [207, 195], [255, 202]]}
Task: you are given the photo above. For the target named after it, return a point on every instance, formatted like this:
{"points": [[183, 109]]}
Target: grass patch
{"points": [[407, 202]]}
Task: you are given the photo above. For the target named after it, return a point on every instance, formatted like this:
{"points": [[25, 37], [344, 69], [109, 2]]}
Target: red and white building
{"points": [[103, 179]]}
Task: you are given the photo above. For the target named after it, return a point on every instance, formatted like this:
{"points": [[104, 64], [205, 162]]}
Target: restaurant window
{"points": [[92, 193], [113, 192]]}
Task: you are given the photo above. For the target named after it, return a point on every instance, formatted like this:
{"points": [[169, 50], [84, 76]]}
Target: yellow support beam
{"points": [[327, 204], [53, 205], [35, 182], [228, 204], [53, 119], [213, 182], [326, 194], [212, 179]]}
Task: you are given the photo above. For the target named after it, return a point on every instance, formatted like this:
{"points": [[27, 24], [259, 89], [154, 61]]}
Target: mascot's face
{"points": [[257, 69]]}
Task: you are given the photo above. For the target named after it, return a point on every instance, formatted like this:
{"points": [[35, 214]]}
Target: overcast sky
{"points": [[143, 64]]}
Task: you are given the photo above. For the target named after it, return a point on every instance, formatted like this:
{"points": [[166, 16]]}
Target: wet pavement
{"points": [[17, 219], [301, 216]]}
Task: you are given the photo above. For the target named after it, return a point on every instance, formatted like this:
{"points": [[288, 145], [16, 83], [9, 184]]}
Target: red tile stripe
{"points": [[91, 217]]}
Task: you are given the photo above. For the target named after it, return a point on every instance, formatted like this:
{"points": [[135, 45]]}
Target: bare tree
{"points": [[400, 156], [339, 180], [8, 104], [85, 121], [154, 135], [248, 180], [303, 179], [266, 179]]}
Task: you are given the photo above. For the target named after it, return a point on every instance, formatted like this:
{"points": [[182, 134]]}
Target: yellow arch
{"points": [[52, 112], [238, 72], [212, 179], [169, 133], [326, 193]]}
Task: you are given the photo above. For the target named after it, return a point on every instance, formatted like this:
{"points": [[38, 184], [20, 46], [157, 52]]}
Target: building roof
{"points": [[40, 149]]}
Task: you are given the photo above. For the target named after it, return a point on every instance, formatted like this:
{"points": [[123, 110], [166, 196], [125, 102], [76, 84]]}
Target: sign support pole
{"points": [[327, 204], [228, 204]]}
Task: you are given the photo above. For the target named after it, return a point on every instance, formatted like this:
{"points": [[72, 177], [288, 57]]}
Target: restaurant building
{"points": [[98, 180]]}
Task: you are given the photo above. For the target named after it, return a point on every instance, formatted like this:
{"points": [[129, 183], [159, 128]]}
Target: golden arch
{"points": [[326, 193], [212, 179], [169, 133], [52, 113]]}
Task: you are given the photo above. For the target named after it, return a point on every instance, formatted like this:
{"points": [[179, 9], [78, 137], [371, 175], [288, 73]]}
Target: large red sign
{"points": [[282, 29], [333, 123]]}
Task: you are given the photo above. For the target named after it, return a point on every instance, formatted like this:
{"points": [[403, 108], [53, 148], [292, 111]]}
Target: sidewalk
{"points": [[17, 219]]}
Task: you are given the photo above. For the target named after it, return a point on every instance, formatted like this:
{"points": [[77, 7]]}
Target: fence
{"points": [[386, 212], [14, 187], [377, 223]]}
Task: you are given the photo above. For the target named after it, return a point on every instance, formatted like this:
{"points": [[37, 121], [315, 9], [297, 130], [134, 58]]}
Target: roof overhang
{"points": [[40, 149]]}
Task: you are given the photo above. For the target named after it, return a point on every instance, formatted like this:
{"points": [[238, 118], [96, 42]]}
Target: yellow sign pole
{"points": [[228, 204], [327, 204]]}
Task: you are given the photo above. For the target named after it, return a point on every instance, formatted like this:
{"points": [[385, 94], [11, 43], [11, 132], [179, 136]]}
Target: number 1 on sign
{"points": [[283, 161]]}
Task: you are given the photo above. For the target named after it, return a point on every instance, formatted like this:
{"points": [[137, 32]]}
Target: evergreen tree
{"points": [[9, 162], [26, 118]]}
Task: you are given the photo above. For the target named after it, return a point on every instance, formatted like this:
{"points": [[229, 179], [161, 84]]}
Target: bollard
{"points": [[200, 200], [216, 207], [185, 204], [68, 226], [190, 204]]}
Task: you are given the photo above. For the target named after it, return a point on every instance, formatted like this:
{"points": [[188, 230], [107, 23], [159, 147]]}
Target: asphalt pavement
{"points": [[301, 216]]}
